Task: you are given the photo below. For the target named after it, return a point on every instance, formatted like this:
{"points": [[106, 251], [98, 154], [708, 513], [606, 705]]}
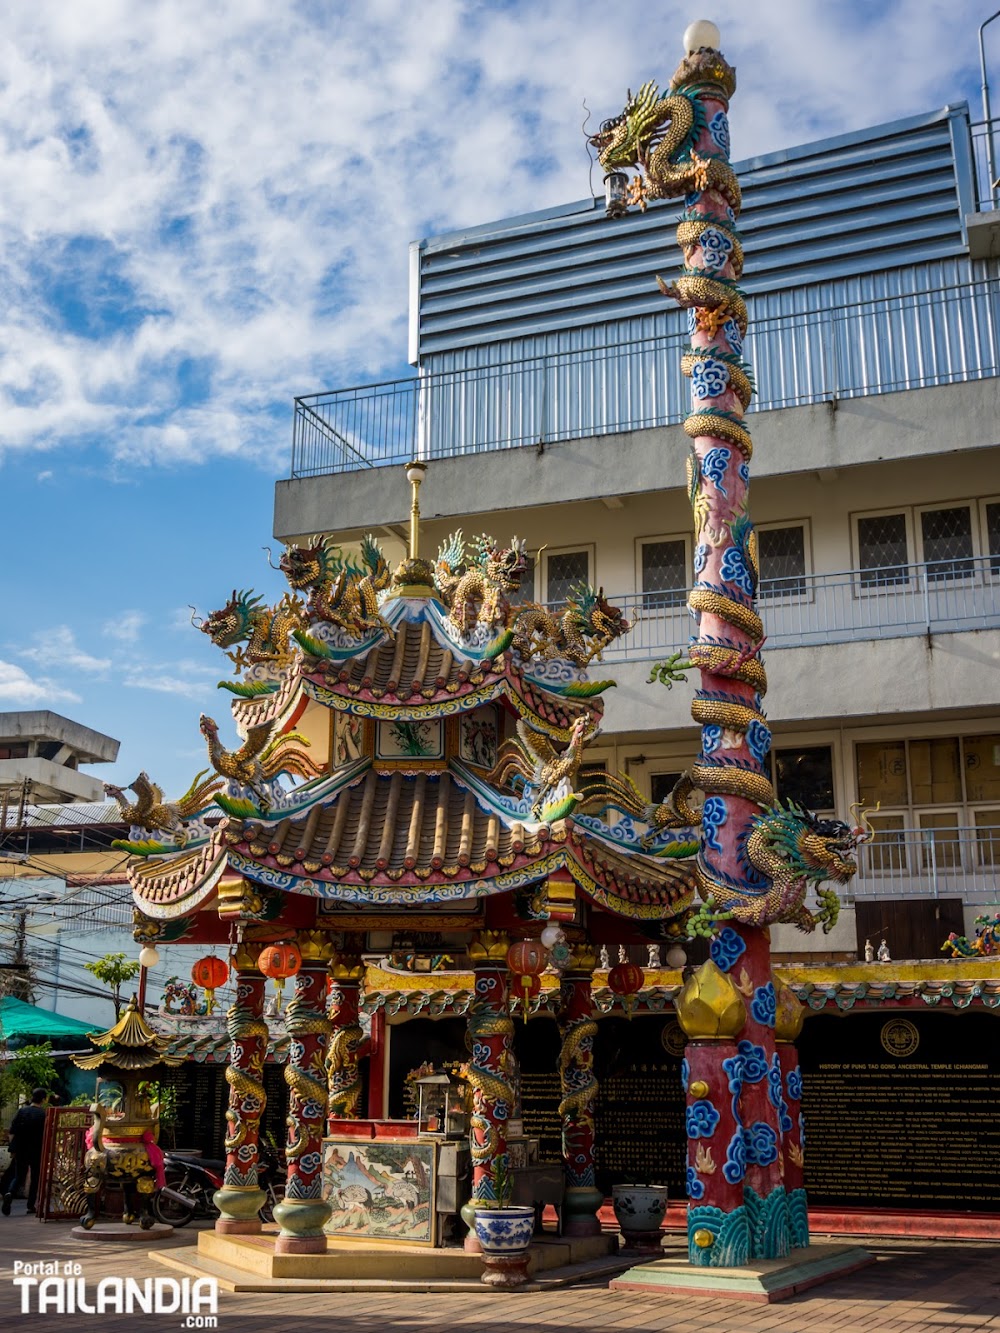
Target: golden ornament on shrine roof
{"points": [[709, 1007], [489, 945], [790, 1016]]}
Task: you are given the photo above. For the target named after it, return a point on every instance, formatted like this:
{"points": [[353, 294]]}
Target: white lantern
{"points": [[702, 32], [149, 957], [676, 957], [551, 935]]}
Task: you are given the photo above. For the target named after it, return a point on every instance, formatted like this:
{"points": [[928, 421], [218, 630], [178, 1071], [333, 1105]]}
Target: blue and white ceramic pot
{"points": [[640, 1210], [505, 1231]]}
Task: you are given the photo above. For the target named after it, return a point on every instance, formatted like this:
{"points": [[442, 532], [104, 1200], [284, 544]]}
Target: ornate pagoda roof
{"points": [[407, 839], [130, 1044], [425, 668]]}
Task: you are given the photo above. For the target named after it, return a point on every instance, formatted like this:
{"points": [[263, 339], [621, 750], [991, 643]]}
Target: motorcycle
{"points": [[191, 1184]]}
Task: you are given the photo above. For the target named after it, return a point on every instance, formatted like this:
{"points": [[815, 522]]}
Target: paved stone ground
{"points": [[916, 1287]]}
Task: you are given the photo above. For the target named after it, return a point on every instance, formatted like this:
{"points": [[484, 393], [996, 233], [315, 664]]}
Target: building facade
{"points": [[548, 398]]}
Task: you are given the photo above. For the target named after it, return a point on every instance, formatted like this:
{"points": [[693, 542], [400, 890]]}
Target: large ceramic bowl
{"points": [[639, 1208], [505, 1230]]}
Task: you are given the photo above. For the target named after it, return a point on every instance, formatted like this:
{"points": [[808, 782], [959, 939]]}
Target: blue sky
{"points": [[205, 210]]}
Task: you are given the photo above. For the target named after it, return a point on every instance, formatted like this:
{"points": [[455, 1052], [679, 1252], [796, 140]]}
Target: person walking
{"points": [[26, 1132]]}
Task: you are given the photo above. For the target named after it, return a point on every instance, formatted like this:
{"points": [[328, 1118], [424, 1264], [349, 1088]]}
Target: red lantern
{"points": [[525, 985], [280, 961], [526, 961], [625, 979], [210, 973]]}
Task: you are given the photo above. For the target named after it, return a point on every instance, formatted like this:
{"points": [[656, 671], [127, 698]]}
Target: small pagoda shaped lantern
{"points": [[121, 1145]]}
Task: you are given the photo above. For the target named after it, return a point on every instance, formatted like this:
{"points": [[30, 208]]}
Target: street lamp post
{"points": [[990, 153]]}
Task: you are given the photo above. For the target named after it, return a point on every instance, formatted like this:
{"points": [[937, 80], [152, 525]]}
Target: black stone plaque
{"points": [[640, 1106], [902, 1110]]}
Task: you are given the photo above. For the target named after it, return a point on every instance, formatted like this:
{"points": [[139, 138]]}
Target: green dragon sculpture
{"points": [[793, 850], [263, 633], [477, 589], [339, 592], [986, 940], [580, 634]]}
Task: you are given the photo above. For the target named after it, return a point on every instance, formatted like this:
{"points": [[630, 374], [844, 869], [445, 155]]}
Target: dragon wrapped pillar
{"points": [[303, 1212], [787, 1085], [346, 1036], [712, 1013], [579, 1090], [240, 1196], [757, 858], [491, 1033]]}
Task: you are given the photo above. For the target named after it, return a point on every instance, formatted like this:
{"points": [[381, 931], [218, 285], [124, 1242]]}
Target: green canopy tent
{"points": [[22, 1023]]}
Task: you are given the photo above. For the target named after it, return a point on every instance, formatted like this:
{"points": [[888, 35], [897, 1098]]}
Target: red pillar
{"points": [[791, 1015], [240, 1196], [579, 1089], [346, 1036], [303, 1212], [491, 1032]]}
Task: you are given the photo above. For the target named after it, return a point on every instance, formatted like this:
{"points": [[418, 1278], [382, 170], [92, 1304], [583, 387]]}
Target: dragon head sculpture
{"points": [[504, 567], [623, 140], [307, 565], [233, 622], [595, 615]]}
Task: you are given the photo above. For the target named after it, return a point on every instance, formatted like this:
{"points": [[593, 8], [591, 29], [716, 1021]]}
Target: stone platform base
{"points": [[119, 1231], [764, 1281], [249, 1263]]}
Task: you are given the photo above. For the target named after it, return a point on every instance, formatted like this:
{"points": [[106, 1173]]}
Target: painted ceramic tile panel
{"points": [[478, 736], [380, 1189]]}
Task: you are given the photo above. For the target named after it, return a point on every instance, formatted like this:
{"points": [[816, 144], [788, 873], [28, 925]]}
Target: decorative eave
{"points": [[410, 839], [427, 670]]}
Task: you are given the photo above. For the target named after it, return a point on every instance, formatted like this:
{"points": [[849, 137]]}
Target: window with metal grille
{"points": [[882, 550], [782, 554], [565, 571], [664, 573], [993, 536], [947, 541]]}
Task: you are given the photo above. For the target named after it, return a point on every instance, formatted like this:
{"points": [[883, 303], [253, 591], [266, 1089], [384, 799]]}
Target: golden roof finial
{"points": [[415, 472]]}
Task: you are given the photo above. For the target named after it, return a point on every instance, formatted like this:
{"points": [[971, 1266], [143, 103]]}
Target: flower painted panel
{"points": [[421, 739]]}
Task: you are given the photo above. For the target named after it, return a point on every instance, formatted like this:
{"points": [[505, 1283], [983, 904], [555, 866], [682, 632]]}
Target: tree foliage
{"points": [[114, 970]]}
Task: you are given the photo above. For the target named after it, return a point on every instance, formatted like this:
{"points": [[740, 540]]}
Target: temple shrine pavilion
{"points": [[456, 808]]}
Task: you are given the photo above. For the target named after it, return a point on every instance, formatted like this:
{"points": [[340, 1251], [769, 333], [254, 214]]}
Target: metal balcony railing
{"points": [[930, 863], [939, 597], [916, 340]]}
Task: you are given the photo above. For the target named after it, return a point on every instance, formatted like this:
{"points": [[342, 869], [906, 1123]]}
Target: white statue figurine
{"points": [[869, 952], [883, 953], [605, 958], [622, 955], [653, 950]]}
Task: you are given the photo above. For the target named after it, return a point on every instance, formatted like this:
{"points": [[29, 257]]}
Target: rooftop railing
{"points": [[938, 597], [917, 340], [986, 157], [930, 863]]}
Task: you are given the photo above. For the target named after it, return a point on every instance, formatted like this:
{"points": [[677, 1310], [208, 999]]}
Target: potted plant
{"points": [[640, 1210], [504, 1230]]}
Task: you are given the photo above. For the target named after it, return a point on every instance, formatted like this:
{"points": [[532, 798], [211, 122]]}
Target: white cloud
{"points": [[17, 687], [45, 475], [207, 208], [125, 627], [193, 680], [58, 648]]}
